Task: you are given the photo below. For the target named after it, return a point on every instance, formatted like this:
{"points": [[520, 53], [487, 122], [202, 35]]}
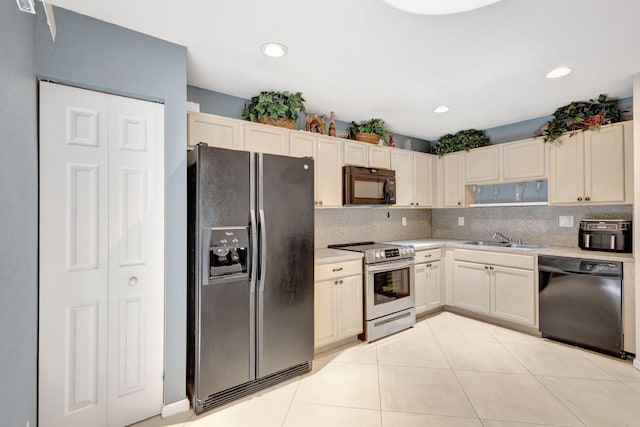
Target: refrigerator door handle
{"points": [[263, 249], [253, 252]]}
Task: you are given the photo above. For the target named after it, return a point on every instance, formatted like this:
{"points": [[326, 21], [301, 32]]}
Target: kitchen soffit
{"points": [[365, 58]]}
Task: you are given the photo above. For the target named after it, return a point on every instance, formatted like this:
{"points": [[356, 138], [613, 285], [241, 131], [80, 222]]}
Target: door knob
{"points": [[133, 280]]}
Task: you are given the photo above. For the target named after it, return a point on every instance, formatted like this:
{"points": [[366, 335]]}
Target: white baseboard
{"points": [[636, 363], [175, 408]]}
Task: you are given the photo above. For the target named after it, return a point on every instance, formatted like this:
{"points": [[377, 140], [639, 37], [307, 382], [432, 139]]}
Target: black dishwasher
{"points": [[581, 302]]}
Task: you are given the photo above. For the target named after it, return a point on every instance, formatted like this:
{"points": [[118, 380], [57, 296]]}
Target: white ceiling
{"points": [[365, 59]]}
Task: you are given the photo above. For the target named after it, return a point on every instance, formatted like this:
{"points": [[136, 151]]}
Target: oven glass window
{"points": [[363, 189], [390, 285]]}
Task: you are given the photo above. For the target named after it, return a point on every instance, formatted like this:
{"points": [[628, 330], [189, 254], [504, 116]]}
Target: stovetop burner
{"points": [[378, 252]]}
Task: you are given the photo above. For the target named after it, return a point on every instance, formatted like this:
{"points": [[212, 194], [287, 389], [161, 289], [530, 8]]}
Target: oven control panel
{"points": [[380, 255]]}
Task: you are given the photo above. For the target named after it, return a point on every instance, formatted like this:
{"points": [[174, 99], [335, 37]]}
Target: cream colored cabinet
{"points": [[379, 157], [337, 302], [366, 155], [327, 155], [472, 286], [524, 160], [302, 144], [513, 294], [415, 175], [328, 166], [482, 165], [356, 153], [500, 285], [451, 181], [266, 139], [424, 179], [214, 131], [402, 163], [589, 167], [429, 283]]}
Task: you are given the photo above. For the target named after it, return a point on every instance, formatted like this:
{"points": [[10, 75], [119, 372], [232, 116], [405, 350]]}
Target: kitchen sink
{"points": [[505, 245]]}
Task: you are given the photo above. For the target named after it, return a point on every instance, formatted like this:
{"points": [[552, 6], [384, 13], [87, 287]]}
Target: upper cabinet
{"points": [[515, 161], [591, 167], [266, 139], [214, 131], [366, 155], [523, 160], [451, 177], [415, 178], [483, 164], [328, 172]]}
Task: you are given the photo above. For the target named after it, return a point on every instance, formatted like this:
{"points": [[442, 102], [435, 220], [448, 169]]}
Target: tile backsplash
{"points": [[347, 225], [531, 224]]}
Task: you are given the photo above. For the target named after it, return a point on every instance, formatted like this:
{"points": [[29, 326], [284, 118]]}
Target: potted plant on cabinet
{"points": [[582, 115], [371, 131], [275, 108], [462, 140]]}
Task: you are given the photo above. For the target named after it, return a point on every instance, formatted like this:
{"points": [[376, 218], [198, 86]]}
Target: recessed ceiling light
{"points": [[558, 72], [441, 109], [274, 49], [439, 7]]}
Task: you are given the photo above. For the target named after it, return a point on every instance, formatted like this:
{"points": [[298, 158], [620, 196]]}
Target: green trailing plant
{"points": [[582, 115], [462, 140], [274, 105], [375, 126]]}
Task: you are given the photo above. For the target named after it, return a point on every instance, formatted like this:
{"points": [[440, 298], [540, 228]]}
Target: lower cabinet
{"points": [[506, 291], [429, 283], [338, 302]]}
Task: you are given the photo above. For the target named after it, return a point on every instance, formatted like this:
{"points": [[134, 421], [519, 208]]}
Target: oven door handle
{"points": [[392, 265]]}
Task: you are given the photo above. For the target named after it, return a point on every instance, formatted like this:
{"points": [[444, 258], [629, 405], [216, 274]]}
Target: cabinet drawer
{"points": [[494, 258], [428, 255], [337, 269]]}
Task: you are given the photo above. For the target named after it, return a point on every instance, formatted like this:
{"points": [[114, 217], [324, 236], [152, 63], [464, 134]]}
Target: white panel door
{"points": [[424, 179], [136, 260], [101, 258]]}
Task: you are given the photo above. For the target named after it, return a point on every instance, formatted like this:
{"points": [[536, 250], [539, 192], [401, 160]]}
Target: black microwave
{"points": [[368, 186]]}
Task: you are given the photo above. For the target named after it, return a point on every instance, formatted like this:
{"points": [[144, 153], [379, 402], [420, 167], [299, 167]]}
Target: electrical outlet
{"points": [[404, 221], [566, 221], [461, 221]]}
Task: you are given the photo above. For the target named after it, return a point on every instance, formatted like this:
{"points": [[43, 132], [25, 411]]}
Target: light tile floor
{"points": [[446, 371]]}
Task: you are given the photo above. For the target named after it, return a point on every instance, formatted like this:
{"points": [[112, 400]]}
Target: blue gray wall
{"points": [[92, 54], [95, 54], [18, 218]]}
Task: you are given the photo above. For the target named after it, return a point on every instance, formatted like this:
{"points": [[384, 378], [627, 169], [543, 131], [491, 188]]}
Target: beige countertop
{"points": [[575, 252], [328, 256]]}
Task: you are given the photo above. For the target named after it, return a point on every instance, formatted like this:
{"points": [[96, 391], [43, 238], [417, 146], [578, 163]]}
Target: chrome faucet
{"points": [[503, 238]]}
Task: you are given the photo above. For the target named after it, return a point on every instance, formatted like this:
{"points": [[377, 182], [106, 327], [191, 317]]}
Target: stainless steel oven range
{"points": [[389, 294]]}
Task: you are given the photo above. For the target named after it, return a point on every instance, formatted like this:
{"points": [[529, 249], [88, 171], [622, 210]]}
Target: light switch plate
{"points": [[566, 221], [404, 221], [461, 221]]}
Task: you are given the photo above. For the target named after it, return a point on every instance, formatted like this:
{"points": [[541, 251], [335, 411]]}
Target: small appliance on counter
{"points": [[612, 235]]}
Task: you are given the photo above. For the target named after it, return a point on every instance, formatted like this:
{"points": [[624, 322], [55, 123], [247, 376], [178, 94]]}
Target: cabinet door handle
{"points": [[411, 203], [587, 198], [335, 283], [490, 268], [341, 282], [427, 256], [321, 202], [486, 267], [417, 204], [337, 269], [579, 199], [459, 203]]}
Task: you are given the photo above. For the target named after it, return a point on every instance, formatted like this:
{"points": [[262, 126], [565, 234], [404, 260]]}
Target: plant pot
{"points": [[281, 122], [595, 120], [370, 138]]}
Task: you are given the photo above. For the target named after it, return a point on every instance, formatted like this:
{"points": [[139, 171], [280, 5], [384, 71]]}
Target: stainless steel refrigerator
{"points": [[250, 284]]}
